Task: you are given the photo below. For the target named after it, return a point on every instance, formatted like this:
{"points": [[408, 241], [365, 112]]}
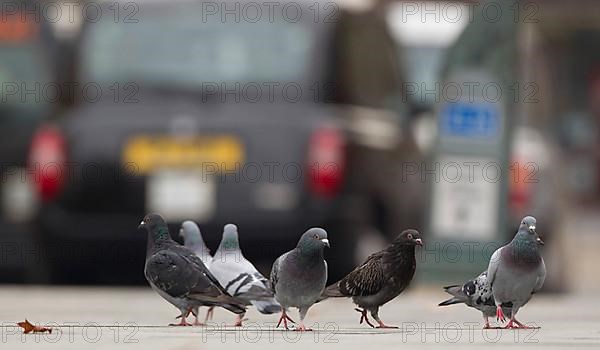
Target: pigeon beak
{"points": [[539, 240], [419, 242], [142, 225], [325, 242], [532, 228]]}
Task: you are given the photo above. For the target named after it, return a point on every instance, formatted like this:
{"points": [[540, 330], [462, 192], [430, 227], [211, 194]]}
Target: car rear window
{"points": [[181, 47]]}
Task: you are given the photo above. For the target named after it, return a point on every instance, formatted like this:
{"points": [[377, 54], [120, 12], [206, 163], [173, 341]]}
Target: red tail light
{"points": [[520, 187], [47, 159], [326, 162]]}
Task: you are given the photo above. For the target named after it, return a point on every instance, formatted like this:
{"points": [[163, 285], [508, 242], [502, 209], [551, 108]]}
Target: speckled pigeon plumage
{"points": [[516, 271], [239, 276], [299, 276], [381, 278], [178, 275], [477, 294], [193, 240]]}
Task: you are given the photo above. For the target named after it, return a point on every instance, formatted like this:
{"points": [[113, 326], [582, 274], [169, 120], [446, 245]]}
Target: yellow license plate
{"points": [[143, 154]]}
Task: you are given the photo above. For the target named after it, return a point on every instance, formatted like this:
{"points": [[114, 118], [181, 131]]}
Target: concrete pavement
{"points": [[136, 318]]}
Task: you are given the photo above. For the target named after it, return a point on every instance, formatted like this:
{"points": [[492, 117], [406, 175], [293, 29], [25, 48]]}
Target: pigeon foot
{"points": [[514, 324], [500, 314], [284, 317], [302, 328], [364, 317], [487, 325], [239, 320], [182, 323], [383, 326], [209, 314]]}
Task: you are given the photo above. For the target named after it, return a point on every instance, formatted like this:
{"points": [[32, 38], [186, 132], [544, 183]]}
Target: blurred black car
{"points": [[274, 122], [28, 96]]}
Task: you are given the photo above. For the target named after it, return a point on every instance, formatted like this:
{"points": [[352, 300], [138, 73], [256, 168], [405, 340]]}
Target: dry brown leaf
{"points": [[28, 328]]}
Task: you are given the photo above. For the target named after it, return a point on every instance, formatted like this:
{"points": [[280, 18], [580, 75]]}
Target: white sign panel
{"points": [[465, 197], [180, 195]]}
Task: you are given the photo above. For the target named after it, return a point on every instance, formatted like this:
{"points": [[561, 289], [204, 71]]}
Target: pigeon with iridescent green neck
{"points": [[298, 277], [179, 276], [517, 271], [192, 239]]}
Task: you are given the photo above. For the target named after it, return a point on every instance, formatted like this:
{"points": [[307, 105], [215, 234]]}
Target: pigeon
{"points": [[240, 278], [192, 239], [299, 276], [381, 278], [516, 271], [477, 294], [179, 276]]}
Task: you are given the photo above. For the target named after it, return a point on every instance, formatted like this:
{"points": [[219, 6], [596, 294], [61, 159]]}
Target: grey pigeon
{"points": [[178, 275], [517, 271], [381, 278], [477, 294], [298, 277], [240, 278], [192, 239]]}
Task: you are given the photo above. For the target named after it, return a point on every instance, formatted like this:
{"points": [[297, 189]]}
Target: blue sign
{"points": [[470, 120]]}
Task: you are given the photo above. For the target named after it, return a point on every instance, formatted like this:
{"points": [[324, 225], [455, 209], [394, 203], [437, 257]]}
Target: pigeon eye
{"points": [[409, 236], [316, 236]]}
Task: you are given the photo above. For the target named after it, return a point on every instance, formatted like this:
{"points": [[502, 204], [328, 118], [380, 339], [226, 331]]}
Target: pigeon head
{"points": [[409, 237], [313, 241], [230, 237], [155, 225], [190, 232], [527, 230]]}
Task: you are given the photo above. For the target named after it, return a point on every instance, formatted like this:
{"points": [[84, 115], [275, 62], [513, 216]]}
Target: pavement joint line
{"points": [[219, 329]]}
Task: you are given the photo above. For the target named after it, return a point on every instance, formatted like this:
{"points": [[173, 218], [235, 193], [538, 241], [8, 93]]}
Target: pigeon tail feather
{"points": [[458, 294], [224, 300], [267, 307], [235, 308], [451, 301]]}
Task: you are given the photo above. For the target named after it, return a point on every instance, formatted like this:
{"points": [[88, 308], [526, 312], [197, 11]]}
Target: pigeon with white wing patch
{"points": [[477, 294], [239, 276], [179, 276]]}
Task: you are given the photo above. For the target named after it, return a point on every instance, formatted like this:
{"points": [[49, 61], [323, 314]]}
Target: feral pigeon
{"points": [[298, 277], [192, 239], [381, 278], [477, 294], [517, 271], [178, 275], [239, 277]]}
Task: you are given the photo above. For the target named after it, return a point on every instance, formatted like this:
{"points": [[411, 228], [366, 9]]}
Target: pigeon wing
{"points": [[173, 274], [367, 279], [204, 282], [240, 278], [493, 266], [479, 291], [541, 277], [274, 278]]}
